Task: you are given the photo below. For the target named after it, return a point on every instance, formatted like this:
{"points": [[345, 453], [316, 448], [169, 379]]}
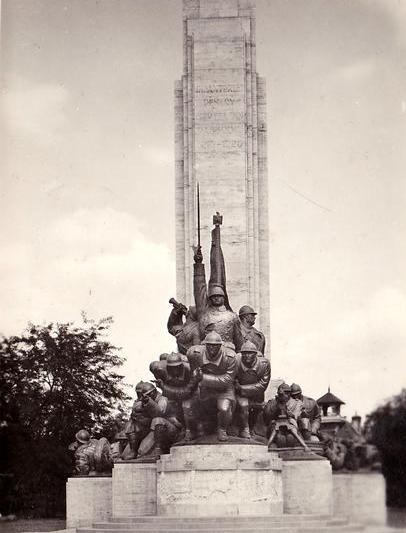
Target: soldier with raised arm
{"points": [[212, 306]]}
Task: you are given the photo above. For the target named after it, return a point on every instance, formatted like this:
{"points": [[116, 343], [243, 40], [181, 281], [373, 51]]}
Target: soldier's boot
{"points": [[160, 437], [222, 435], [188, 415], [245, 433], [224, 416], [134, 445], [245, 430], [199, 430]]}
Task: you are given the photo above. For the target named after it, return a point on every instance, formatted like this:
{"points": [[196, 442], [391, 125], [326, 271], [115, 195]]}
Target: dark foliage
{"points": [[386, 428], [54, 380]]}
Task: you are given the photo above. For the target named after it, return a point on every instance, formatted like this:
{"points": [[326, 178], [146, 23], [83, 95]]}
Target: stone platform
{"points": [[227, 479], [232, 524], [88, 498], [360, 496]]}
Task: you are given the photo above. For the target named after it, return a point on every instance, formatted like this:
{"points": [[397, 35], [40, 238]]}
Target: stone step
{"points": [[216, 519], [202, 523], [173, 528]]}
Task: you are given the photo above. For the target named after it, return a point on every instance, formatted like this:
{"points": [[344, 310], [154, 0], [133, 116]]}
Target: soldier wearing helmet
{"points": [[252, 379], [214, 365], [247, 317], [309, 422], [149, 431], [212, 306], [281, 414], [92, 456], [175, 378]]}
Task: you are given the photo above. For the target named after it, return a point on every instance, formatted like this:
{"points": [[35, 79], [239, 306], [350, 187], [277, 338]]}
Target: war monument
{"points": [[201, 443]]}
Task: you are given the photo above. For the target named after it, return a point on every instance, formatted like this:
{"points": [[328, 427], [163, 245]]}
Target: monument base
{"points": [[307, 483], [88, 499], [360, 496], [222, 480], [134, 489]]}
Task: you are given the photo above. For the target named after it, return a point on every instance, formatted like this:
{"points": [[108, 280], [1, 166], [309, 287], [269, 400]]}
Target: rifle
{"points": [[198, 217]]}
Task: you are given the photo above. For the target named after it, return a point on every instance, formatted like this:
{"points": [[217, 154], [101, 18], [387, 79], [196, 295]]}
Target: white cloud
{"points": [[362, 355], [98, 261], [357, 71]]}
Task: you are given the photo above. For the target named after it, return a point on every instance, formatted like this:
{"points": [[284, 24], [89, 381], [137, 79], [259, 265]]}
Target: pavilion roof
{"points": [[329, 399]]}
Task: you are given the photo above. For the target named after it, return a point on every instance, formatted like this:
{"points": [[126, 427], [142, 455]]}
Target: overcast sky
{"points": [[87, 180]]}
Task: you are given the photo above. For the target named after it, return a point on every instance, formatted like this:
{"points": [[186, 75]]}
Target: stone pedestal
{"points": [[219, 480], [88, 500], [360, 497], [307, 486], [134, 489]]}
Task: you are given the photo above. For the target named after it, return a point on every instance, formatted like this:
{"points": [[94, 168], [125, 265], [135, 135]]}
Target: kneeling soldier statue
{"points": [[179, 385], [252, 379], [214, 366], [149, 431]]}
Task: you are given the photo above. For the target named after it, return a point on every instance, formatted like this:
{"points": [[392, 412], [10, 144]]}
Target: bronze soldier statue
{"points": [[92, 456], [215, 367], [281, 415], [183, 325], [179, 385], [212, 306], [247, 318], [252, 379], [310, 420], [149, 431]]}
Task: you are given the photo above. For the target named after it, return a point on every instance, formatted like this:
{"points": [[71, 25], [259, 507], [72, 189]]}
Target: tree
{"points": [[386, 428], [54, 380]]}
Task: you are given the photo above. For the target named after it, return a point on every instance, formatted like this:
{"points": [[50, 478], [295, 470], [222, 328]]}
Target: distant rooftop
{"points": [[329, 399]]}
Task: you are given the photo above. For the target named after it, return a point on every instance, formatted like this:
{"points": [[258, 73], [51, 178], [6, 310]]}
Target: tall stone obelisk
{"points": [[220, 139]]}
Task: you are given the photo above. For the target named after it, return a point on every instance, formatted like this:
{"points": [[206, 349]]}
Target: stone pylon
{"points": [[220, 139]]}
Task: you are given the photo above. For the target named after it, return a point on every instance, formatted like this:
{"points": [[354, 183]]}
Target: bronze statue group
{"points": [[213, 388]]}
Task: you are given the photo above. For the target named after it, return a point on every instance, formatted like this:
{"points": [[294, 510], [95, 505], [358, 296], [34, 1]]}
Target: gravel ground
{"points": [[23, 525]]}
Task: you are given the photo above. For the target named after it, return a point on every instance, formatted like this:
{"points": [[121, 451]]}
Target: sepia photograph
{"points": [[203, 266]]}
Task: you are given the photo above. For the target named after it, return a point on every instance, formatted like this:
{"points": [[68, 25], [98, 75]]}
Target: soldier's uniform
{"points": [[250, 333], [180, 389], [217, 385], [220, 319], [255, 336], [311, 417], [252, 383], [149, 427]]}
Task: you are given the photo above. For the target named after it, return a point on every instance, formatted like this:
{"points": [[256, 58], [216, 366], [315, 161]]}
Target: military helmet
{"points": [[216, 291], [295, 389], [248, 346], [246, 310], [143, 386], [174, 359], [83, 436], [283, 387], [212, 338]]}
